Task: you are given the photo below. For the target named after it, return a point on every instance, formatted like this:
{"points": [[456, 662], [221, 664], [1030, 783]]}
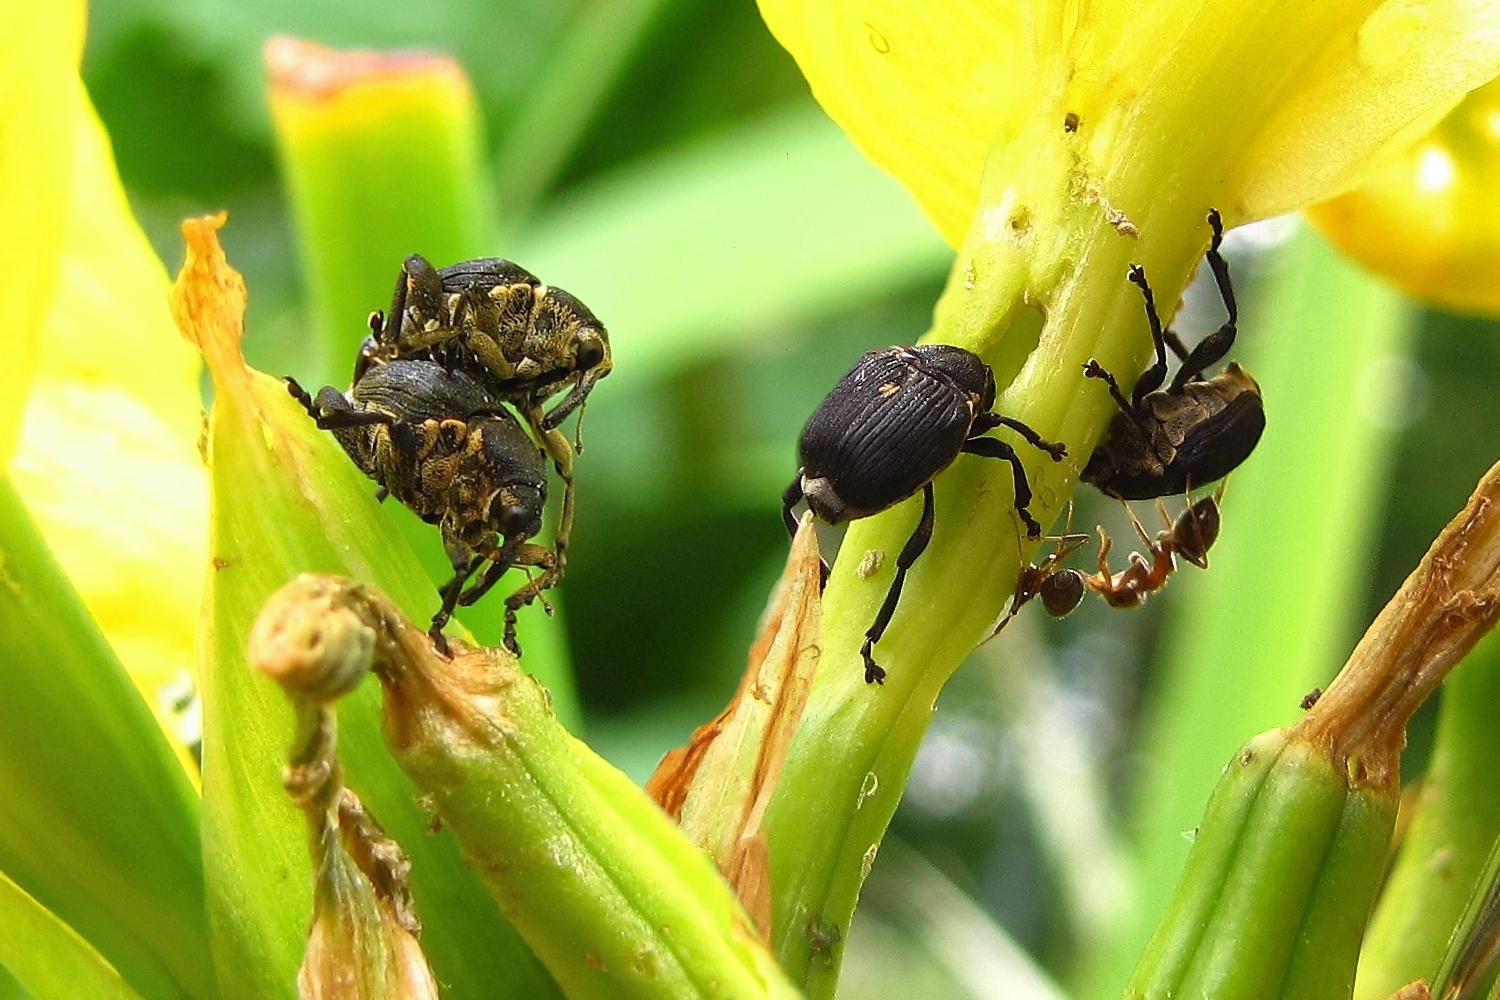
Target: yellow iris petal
{"points": [[39, 52], [1272, 105], [108, 460], [920, 88], [1429, 220]]}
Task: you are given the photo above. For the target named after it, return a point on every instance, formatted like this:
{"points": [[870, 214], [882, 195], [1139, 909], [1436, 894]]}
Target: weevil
{"points": [[441, 444], [522, 339], [896, 420], [1196, 430]]}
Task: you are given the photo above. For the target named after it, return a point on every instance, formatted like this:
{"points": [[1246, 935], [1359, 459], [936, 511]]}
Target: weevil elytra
{"points": [[889, 426]]}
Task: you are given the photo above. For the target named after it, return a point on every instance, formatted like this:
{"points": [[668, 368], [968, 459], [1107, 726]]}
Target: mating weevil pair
{"points": [[902, 415], [427, 416]]}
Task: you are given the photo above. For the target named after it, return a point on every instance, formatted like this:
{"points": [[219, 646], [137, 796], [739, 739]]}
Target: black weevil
{"points": [[896, 420], [446, 448], [1195, 431]]}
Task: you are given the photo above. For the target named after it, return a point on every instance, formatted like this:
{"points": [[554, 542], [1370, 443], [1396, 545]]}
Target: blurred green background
{"points": [[662, 160]]}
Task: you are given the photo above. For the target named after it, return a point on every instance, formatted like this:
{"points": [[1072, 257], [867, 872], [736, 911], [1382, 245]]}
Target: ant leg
{"points": [[1135, 522], [914, 547], [1057, 449], [1152, 378], [995, 448], [1217, 344]]}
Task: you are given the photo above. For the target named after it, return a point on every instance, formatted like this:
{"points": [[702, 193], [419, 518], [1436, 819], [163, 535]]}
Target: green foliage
{"points": [[662, 161]]}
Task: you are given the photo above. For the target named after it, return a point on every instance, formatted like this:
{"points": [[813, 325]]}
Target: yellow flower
{"points": [[105, 450], [1257, 107], [1429, 219]]}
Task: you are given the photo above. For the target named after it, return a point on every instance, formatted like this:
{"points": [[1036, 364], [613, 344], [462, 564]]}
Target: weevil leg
{"points": [[530, 555], [1056, 449], [421, 288], [995, 448], [302, 396], [789, 499], [914, 547], [555, 443], [1176, 344], [1152, 378], [500, 560], [331, 411], [575, 398], [1211, 349], [465, 562], [1093, 369]]}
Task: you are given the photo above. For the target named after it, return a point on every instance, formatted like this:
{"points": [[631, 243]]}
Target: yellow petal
{"points": [[1429, 220], [920, 88], [108, 460], [1264, 106], [39, 51]]}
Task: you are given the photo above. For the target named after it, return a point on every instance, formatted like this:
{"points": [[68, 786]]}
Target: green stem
{"points": [[1042, 251]]}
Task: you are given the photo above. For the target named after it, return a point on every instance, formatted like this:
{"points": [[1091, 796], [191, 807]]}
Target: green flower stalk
{"points": [[609, 893], [1055, 146], [382, 154]]}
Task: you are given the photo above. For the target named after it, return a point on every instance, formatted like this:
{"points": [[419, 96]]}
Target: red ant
{"points": [[1190, 536]]}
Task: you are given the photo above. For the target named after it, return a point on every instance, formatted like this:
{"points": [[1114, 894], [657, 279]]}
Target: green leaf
{"points": [[46, 957], [735, 240], [101, 822]]}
